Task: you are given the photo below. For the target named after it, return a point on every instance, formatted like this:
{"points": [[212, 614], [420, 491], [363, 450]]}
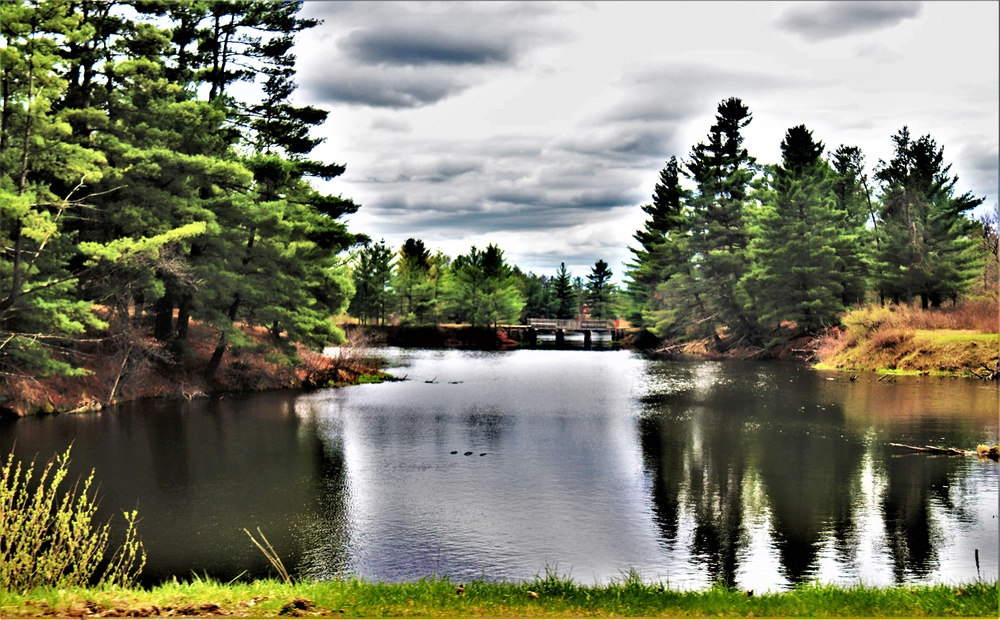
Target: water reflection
{"points": [[837, 503], [589, 463]]}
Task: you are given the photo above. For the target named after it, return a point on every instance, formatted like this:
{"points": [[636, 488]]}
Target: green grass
{"points": [[960, 336], [377, 377], [557, 597]]}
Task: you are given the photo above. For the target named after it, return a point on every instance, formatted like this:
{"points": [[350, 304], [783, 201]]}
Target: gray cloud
{"points": [[396, 88], [830, 20], [658, 100], [393, 125], [404, 47], [676, 92], [979, 164], [405, 55]]}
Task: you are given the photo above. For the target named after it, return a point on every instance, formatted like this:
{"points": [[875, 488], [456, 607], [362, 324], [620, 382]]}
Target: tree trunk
{"points": [[220, 349], [183, 317], [164, 321], [216, 360]]}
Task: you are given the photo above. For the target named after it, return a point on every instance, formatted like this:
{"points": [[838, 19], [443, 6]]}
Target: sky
{"points": [[542, 127]]}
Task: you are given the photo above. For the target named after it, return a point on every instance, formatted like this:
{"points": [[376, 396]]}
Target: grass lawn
{"points": [[549, 597]]}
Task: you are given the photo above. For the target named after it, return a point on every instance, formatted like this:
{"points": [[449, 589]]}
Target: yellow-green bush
{"points": [[48, 536]]}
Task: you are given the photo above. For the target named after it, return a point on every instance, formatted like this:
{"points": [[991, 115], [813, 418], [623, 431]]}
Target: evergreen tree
{"points": [[794, 272], [412, 282], [372, 268], [538, 298], [203, 208], [485, 291], [722, 171], [565, 298], [927, 247], [600, 291], [660, 252], [439, 277], [850, 188], [45, 180]]}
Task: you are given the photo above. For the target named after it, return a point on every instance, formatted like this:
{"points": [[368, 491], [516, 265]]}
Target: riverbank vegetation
{"points": [[547, 597], [48, 534], [961, 339], [480, 289], [146, 208]]}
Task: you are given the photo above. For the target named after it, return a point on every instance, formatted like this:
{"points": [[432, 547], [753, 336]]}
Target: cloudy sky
{"points": [[542, 126]]}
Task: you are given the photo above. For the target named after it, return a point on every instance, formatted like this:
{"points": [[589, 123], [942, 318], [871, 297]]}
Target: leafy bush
{"points": [[864, 321], [48, 537]]}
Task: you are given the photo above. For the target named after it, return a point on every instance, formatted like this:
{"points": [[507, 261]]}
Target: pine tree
{"points": [[200, 207], [599, 291], [412, 282], [722, 171], [858, 244], [537, 293], [660, 254], [503, 301], [45, 182], [372, 268], [927, 247], [485, 290], [794, 273], [565, 301]]}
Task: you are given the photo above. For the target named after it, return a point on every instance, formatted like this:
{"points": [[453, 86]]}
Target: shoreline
{"points": [[150, 369], [264, 366], [546, 596]]}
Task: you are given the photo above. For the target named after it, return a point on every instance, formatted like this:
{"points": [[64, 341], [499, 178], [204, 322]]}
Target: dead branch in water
{"points": [[935, 449]]}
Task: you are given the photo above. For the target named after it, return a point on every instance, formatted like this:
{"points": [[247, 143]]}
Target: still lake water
{"points": [[585, 463]]}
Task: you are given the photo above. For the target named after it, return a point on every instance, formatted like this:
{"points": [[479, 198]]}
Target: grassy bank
{"points": [[544, 597], [959, 340]]}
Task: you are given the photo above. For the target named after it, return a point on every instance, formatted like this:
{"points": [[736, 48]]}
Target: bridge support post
{"points": [[531, 336], [560, 337], [586, 339]]}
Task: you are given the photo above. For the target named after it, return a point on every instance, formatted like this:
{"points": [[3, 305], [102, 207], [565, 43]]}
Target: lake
{"points": [[587, 464]]}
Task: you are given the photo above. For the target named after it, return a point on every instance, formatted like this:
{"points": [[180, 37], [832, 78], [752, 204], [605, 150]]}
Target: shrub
{"points": [[862, 322], [49, 537]]}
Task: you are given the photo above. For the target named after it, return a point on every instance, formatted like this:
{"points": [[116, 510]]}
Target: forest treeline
{"points": [[742, 253], [413, 286], [154, 172]]}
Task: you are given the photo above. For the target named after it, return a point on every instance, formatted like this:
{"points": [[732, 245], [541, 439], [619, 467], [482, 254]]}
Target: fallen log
{"points": [[982, 451], [669, 348], [935, 449]]}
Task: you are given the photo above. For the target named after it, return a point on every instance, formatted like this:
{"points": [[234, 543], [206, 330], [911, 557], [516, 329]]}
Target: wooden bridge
{"points": [[560, 327]]}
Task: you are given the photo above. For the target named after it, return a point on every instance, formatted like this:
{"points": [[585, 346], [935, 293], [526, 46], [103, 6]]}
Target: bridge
{"points": [[529, 333]]}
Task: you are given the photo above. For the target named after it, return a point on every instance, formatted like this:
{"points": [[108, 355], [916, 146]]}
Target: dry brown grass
{"points": [[957, 339]]}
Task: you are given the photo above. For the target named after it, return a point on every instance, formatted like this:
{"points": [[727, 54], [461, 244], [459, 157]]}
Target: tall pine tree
{"points": [[600, 291], [927, 248], [794, 274], [661, 252], [722, 171]]}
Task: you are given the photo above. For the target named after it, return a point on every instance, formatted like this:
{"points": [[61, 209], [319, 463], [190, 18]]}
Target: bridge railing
{"points": [[554, 323], [570, 324]]}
